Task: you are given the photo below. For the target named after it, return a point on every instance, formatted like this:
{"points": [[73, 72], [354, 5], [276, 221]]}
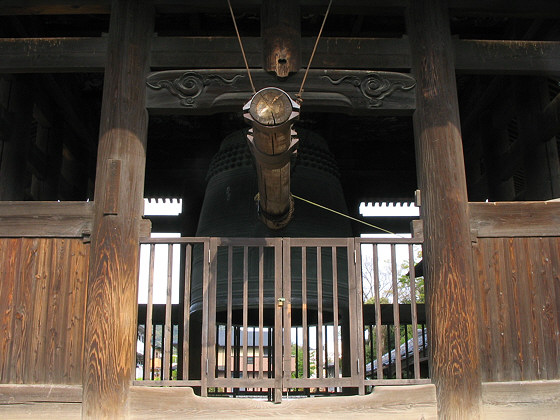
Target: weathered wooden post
{"points": [[110, 337], [281, 35], [451, 310]]}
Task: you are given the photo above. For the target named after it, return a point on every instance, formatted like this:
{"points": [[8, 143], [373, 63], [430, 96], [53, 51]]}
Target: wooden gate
{"points": [[267, 316], [283, 314]]}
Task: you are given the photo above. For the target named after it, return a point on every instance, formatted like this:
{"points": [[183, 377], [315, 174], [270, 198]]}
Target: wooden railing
{"points": [[261, 316], [394, 313]]}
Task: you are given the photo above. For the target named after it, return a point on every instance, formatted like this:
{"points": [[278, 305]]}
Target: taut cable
{"points": [[241, 46], [298, 96]]}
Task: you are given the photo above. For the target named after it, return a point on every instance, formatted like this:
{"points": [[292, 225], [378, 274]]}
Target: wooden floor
{"points": [[501, 400], [416, 402]]}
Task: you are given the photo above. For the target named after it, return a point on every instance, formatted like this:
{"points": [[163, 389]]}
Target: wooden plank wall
{"points": [[518, 287], [43, 284]]}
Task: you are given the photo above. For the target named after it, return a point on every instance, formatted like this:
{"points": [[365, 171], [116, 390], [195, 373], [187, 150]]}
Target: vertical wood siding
{"points": [[42, 306], [518, 287]]}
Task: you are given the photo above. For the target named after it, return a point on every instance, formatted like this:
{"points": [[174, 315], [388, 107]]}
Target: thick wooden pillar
{"points": [[110, 338], [451, 310]]}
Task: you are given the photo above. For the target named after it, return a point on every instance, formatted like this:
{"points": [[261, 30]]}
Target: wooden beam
{"points": [[110, 336], [211, 91], [385, 402], [515, 219], [521, 399], [66, 219], [40, 55], [507, 57], [512, 8], [40, 401], [223, 52], [451, 314], [57, 55], [57, 7], [38, 393], [515, 8]]}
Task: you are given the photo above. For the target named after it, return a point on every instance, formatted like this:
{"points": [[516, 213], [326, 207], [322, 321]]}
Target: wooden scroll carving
{"points": [[189, 85], [346, 91]]}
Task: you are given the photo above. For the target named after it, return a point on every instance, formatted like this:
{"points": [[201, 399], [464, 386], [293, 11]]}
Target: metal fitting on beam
{"points": [[271, 113]]}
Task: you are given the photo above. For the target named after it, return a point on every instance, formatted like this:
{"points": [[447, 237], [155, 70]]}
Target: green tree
{"points": [[299, 351], [404, 283]]}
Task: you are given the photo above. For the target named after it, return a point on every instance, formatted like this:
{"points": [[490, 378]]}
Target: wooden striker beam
{"points": [[451, 308], [110, 337]]}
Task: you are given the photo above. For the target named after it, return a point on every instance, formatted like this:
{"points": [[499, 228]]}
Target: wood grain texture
{"points": [[281, 35], [42, 299], [515, 219], [451, 307], [227, 90], [46, 219], [44, 55], [25, 393], [521, 400], [24, 310], [386, 402], [9, 252], [41, 411], [517, 279], [110, 337]]}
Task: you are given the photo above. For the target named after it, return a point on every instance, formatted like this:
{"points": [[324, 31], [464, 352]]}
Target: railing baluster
{"points": [[149, 308], [335, 311], [285, 290], [187, 310], [261, 311], [396, 318], [229, 310], [253, 348], [371, 348], [304, 312], [356, 316], [414, 312], [209, 363], [166, 363], [320, 361], [245, 306], [406, 350], [378, 313], [278, 311]]}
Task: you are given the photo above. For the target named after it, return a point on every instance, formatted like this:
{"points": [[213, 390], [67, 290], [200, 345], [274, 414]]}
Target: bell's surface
{"points": [[230, 210]]}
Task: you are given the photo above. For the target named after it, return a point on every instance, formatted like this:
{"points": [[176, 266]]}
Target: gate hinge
{"points": [[209, 252], [354, 257], [358, 362]]}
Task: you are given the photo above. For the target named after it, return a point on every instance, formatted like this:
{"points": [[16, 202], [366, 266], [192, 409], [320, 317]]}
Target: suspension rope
{"points": [[298, 96], [241, 46], [345, 215]]}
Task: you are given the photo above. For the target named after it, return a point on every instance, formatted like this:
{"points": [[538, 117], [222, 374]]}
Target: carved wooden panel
{"points": [[347, 91]]}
